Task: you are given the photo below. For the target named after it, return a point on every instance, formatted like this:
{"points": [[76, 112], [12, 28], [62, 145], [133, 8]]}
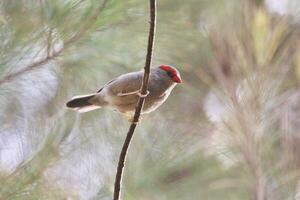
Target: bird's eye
{"points": [[169, 73]]}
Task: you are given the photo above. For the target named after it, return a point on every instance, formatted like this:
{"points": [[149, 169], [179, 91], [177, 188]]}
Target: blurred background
{"points": [[231, 131]]}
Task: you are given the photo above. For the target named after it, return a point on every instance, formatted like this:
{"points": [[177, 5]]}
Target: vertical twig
{"points": [[49, 42], [140, 104]]}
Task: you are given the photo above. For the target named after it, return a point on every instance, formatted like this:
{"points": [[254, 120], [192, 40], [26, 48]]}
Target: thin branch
{"points": [[56, 53], [140, 104], [49, 42]]}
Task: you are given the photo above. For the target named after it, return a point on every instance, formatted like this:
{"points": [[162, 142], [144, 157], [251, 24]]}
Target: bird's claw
{"points": [[131, 120], [143, 95]]}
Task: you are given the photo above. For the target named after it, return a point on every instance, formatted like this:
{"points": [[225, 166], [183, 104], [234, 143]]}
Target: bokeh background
{"points": [[231, 131]]}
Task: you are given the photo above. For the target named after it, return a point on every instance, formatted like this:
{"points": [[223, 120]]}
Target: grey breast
{"points": [[160, 86]]}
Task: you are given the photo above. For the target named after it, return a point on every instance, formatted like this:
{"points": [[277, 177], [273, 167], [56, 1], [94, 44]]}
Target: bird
{"points": [[123, 92]]}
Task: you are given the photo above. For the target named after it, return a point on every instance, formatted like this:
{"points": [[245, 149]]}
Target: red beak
{"points": [[177, 79]]}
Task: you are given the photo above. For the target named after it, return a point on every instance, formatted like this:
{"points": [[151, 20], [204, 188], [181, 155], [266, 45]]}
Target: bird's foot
{"points": [[131, 120], [121, 94], [138, 92], [143, 95]]}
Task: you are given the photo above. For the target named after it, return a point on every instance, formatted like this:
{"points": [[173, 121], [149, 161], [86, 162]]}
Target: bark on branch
{"points": [[50, 56], [140, 104]]}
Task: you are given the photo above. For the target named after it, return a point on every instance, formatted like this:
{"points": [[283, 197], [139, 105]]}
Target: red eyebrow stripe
{"points": [[168, 69], [174, 75]]}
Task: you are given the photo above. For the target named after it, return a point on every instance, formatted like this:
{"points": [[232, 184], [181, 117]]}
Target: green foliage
{"points": [[230, 131]]}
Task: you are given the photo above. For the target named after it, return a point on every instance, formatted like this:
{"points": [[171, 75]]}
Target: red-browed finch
{"points": [[123, 92]]}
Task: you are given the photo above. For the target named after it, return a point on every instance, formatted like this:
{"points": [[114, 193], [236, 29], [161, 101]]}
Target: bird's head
{"points": [[171, 72]]}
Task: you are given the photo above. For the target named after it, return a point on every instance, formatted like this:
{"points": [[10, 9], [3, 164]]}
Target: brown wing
{"points": [[106, 85], [127, 83]]}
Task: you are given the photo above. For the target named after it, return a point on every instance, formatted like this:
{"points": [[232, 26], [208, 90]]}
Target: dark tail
{"points": [[81, 103]]}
